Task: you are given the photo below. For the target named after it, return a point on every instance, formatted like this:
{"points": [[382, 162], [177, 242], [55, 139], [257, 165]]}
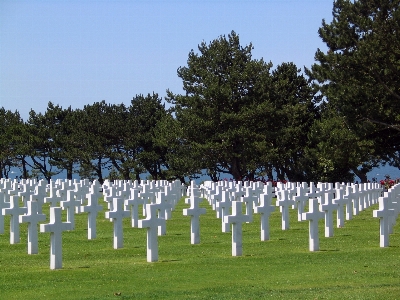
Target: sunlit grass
{"points": [[350, 265]]}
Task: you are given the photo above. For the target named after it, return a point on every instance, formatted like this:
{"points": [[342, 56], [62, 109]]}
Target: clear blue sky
{"points": [[77, 52], [80, 52]]}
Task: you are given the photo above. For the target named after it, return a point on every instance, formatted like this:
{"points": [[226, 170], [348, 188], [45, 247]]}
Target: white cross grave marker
{"points": [[313, 215], [32, 218], [223, 208], [109, 194], [14, 211], [384, 214], [132, 204], [236, 219], [55, 227], [162, 211], [301, 198], [92, 208], [349, 202], [194, 211], [71, 205], [116, 215], [284, 201], [148, 195], [40, 194], [81, 190], [152, 222], [3, 205], [7, 188], [250, 201], [215, 196], [24, 193], [341, 202], [328, 207], [265, 209], [169, 197], [356, 198], [54, 198]]}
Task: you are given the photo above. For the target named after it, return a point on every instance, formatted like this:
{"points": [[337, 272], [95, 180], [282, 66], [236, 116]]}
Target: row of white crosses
{"points": [[71, 196], [346, 199], [325, 198], [62, 195], [226, 196], [389, 209], [159, 198]]}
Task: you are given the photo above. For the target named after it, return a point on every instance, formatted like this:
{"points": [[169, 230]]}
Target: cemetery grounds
{"points": [[349, 265]]}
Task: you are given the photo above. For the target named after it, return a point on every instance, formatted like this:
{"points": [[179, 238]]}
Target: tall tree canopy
{"points": [[294, 110], [145, 113], [359, 74], [237, 117], [221, 113], [11, 127]]}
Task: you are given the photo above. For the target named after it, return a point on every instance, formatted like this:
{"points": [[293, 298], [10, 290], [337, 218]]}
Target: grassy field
{"points": [[350, 265]]}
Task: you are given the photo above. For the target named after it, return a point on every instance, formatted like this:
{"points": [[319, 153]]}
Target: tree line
{"points": [[238, 115]]}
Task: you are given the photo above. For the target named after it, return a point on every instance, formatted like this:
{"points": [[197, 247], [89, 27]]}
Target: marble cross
{"points": [[194, 211], [301, 198], [14, 211], [32, 218], [265, 209], [284, 201], [237, 218], [92, 208], [54, 199], [71, 205], [3, 204], [341, 202], [313, 215], [39, 195], [328, 207], [133, 204], [116, 215], [384, 214], [223, 208], [55, 227], [152, 222]]}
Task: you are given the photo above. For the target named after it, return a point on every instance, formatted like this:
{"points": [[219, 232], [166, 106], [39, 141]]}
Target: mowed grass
{"points": [[350, 265]]}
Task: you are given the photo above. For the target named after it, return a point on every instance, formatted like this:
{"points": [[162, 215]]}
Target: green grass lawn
{"points": [[350, 265]]}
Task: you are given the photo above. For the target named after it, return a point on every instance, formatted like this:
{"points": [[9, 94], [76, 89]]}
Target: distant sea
{"points": [[378, 173]]}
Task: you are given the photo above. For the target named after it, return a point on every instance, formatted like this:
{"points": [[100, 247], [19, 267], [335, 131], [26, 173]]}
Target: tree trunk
{"points": [[280, 174], [99, 171], [235, 170], [24, 170], [270, 175], [69, 171], [361, 175]]}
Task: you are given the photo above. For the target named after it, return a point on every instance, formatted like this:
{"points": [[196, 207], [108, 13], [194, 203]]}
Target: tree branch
{"points": [[385, 86], [395, 127]]}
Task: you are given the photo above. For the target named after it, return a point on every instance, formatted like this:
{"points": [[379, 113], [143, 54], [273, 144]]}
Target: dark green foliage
{"points": [[11, 127], [238, 118], [40, 136], [336, 150], [61, 123], [359, 74], [97, 133], [145, 114], [293, 111], [221, 112]]}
